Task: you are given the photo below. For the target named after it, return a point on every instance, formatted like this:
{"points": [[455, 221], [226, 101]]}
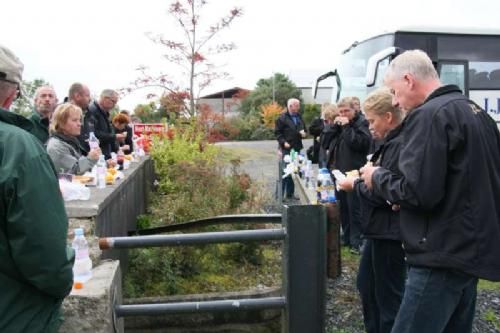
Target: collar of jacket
{"points": [[450, 88], [15, 119], [71, 140], [42, 121], [391, 135], [98, 108], [443, 90]]}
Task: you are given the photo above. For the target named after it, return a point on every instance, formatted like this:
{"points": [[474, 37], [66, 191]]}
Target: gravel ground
{"points": [[343, 309]]}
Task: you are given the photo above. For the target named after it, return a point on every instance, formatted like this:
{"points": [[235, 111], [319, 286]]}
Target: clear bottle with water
{"points": [[326, 190], [82, 268], [93, 141], [101, 172]]}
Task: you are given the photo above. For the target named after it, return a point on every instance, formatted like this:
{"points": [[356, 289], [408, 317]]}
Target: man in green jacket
{"points": [[35, 262], [45, 104]]}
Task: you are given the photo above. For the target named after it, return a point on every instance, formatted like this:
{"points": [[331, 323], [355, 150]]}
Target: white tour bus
{"points": [[468, 58]]}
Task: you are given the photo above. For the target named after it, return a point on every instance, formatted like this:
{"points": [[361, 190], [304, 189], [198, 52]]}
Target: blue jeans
{"points": [[381, 283], [437, 301]]}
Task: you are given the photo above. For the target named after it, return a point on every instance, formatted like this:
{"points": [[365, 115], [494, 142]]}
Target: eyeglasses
{"points": [[113, 100]]}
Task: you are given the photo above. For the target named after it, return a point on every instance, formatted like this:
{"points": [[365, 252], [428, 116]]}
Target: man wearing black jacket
{"points": [[97, 118], [347, 150], [289, 130], [79, 95], [447, 191]]}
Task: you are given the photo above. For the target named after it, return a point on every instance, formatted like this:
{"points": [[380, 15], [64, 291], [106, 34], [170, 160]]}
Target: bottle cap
{"points": [[78, 231], [78, 285]]}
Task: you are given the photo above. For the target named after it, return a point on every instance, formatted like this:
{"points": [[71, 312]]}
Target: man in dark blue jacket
{"points": [[447, 191], [290, 130]]}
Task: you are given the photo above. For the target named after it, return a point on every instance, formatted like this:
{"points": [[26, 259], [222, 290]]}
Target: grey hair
{"points": [[109, 93], [414, 62], [37, 92], [291, 101]]}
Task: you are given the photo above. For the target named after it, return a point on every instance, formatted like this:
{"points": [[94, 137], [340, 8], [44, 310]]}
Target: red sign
{"points": [[148, 129]]}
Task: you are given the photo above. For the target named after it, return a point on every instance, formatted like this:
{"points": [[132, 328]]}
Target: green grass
{"points": [[491, 317], [488, 285], [228, 153]]}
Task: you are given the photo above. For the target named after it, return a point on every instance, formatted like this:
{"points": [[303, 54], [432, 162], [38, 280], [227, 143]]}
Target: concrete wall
{"points": [[109, 212]]}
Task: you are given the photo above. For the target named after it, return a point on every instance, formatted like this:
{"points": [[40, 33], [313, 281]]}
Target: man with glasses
{"points": [[35, 263], [97, 118]]}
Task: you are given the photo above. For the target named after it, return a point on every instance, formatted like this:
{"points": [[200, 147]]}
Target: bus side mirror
{"points": [[319, 79], [374, 60]]}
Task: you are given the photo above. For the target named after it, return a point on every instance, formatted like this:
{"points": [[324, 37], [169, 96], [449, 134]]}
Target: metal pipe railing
{"points": [[222, 219], [192, 239], [184, 307]]}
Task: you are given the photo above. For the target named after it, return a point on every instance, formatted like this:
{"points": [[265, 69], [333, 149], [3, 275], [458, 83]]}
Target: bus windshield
{"points": [[352, 67]]}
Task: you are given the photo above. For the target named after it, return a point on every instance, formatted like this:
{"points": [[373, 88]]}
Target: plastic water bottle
{"points": [[326, 190], [93, 141], [307, 173], [101, 172], [82, 268]]}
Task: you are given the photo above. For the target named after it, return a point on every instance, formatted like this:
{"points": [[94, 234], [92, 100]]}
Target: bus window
{"points": [[484, 75], [453, 73]]}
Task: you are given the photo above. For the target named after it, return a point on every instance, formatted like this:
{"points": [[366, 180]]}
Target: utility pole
{"points": [[273, 88]]}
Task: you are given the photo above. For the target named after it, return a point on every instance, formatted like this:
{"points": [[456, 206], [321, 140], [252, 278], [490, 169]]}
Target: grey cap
{"points": [[11, 68]]}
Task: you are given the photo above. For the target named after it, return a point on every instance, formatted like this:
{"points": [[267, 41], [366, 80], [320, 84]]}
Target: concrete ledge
{"points": [[100, 198], [254, 321], [90, 309]]}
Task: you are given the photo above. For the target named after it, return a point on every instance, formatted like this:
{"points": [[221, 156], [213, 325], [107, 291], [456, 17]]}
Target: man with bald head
{"points": [[45, 104], [79, 95]]}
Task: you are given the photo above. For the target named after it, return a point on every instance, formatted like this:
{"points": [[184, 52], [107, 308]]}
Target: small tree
{"points": [[278, 86], [190, 52]]}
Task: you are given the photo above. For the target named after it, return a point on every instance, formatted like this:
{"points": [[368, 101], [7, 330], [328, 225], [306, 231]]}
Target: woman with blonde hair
{"points": [[382, 268], [63, 146]]}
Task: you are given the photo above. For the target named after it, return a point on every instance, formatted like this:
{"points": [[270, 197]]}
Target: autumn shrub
{"points": [[269, 113]]}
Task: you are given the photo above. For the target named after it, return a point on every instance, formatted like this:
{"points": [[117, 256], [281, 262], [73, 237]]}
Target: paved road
{"points": [[259, 159]]}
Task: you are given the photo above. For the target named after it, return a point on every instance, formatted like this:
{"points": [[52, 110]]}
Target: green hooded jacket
{"points": [[35, 262], [40, 127]]}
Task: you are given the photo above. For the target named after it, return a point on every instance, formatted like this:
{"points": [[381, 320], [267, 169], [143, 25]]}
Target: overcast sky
{"points": [[101, 42]]}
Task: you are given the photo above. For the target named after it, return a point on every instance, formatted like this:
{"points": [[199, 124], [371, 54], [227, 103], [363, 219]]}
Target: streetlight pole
{"points": [[273, 89]]}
